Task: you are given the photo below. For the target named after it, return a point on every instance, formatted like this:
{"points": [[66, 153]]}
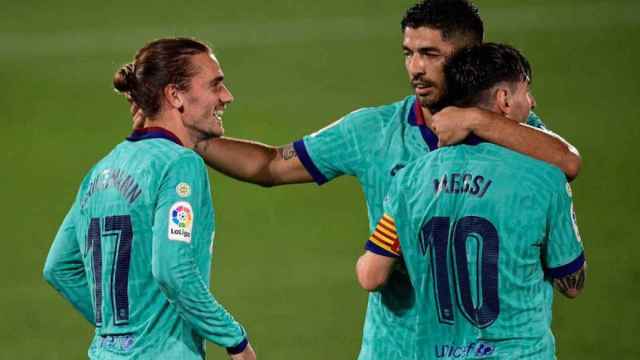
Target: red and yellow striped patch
{"points": [[386, 235]]}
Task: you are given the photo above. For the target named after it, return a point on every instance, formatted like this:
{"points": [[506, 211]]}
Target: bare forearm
{"points": [[528, 140], [253, 162], [240, 159]]}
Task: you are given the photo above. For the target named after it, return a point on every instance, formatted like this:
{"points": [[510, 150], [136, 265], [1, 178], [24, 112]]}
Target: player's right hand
{"points": [[247, 354]]}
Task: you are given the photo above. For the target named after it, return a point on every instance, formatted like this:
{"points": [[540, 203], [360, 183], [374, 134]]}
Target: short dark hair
{"points": [[158, 64], [470, 72], [454, 18]]}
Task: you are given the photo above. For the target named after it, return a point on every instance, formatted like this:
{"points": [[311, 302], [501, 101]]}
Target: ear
{"points": [[173, 96], [503, 100]]}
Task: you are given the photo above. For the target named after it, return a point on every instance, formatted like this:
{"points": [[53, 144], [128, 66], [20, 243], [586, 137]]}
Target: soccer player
{"points": [[133, 254], [480, 228], [373, 143]]}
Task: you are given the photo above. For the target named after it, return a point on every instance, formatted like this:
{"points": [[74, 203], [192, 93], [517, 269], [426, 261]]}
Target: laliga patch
{"points": [[183, 190], [180, 222]]}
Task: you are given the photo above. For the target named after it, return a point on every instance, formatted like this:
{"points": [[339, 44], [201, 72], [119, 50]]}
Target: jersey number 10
{"points": [[120, 273], [435, 239]]}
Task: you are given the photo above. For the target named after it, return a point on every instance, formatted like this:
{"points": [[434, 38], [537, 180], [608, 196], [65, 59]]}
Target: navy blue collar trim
{"points": [[153, 133], [473, 140], [429, 137]]}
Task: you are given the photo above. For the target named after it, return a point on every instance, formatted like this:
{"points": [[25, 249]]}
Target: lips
{"points": [[423, 89]]}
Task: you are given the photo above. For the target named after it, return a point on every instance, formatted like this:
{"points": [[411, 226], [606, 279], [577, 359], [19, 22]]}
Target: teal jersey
{"points": [[133, 254], [372, 144], [481, 230]]}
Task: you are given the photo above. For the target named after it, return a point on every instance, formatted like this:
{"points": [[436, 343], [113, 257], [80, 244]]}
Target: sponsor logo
{"points": [[117, 342], [472, 350], [180, 222], [183, 190]]}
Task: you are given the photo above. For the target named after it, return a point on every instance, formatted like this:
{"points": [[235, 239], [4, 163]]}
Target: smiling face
{"points": [[426, 52], [205, 100]]}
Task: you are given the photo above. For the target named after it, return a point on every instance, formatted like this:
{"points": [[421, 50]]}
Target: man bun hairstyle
{"points": [[455, 19], [158, 64], [471, 72]]}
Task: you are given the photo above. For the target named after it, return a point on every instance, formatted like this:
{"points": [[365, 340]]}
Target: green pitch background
{"points": [[285, 257]]}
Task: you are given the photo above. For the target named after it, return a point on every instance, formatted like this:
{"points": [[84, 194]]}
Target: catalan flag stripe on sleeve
{"points": [[385, 235]]}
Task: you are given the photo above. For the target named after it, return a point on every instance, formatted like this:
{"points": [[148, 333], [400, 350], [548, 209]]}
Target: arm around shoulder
{"points": [[254, 162]]}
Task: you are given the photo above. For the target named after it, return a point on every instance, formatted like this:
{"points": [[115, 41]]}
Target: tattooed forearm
{"points": [[571, 285], [287, 152]]}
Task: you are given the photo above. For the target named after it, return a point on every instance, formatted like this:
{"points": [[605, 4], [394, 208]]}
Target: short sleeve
{"points": [[535, 121], [563, 251], [334, 150]]}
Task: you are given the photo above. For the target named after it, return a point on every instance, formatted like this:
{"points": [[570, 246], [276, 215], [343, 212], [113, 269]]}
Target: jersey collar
{"points": [[416, 118], [153, 133]]}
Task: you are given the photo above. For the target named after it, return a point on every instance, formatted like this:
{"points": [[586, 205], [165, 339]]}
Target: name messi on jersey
{"points": [[459, 183]]}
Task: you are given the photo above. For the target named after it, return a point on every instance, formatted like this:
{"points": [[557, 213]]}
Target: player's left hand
{"points": [[451, 125]]}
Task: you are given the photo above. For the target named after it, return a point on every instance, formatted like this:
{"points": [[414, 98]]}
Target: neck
{"points": [[173, 123], [426, 114]]}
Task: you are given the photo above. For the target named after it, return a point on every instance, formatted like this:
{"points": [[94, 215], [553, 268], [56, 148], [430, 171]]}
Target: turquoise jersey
{"points": [[481, 230], [372, 144], [133, 254]]}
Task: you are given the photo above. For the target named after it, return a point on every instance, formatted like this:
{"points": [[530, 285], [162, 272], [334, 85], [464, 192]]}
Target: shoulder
{"points": [[542, 174], [378, 115], [165, 154]]}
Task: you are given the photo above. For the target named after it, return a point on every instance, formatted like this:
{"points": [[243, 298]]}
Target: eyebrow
{"points": [[422, 49], [216, 80]]}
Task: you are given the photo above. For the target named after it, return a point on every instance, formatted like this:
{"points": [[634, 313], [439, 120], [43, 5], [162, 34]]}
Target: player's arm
{"points": [[246, 160], [453, 124], [64, 269], [381, 252], [373, 270], [254, 162], [563, 251], [328, 153], [176, 249]]}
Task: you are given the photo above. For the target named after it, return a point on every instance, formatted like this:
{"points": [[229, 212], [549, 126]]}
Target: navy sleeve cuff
{"points": [[370, 246], [303, 155], [568, 269], [238, 348]]}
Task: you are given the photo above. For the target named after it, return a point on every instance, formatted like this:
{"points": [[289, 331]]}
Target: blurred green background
{"points": [[284, 257]]}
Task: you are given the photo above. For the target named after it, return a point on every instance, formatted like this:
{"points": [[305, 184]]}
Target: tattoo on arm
{"points": [[571, 285], [287, 152]]}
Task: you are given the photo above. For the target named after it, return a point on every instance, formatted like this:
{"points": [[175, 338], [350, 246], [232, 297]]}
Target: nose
{"points": [[415, 65], [226, 96]]}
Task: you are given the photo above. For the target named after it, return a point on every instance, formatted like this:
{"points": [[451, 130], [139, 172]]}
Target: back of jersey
{"points": [[114, 217], [478, 228]]}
